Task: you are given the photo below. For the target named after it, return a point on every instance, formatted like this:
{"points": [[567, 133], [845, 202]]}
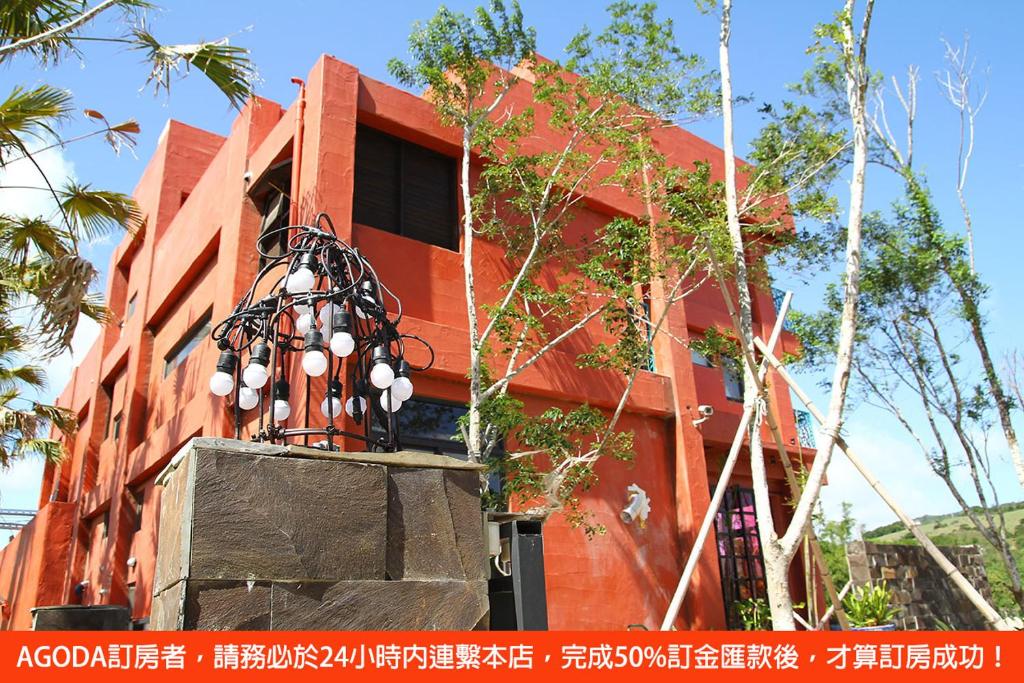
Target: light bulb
{"points": [[381, 376], [402, 388], [327, 314], [301, 281], [396, 405], [342, 344], [301, 308], [281, 410], [221, 383], [248, 398], [255, 375], [314, 362], [304, 323], [332, 410], [350, 405]]}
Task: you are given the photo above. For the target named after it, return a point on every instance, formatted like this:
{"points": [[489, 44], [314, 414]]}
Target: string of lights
{"points": [[322, 299]]}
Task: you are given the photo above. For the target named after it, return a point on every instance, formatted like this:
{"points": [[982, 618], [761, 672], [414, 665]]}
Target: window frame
{"points": [[183, 348], [403, 147]]}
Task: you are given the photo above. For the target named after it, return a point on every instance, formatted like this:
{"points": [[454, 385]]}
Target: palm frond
{"points": [[61, 291], [28, 375], [119, 135], [61, 419], [47, 29], [21, 237], [51, 450], [227, 66], [20, 19], [96, 213], [31, 112]]}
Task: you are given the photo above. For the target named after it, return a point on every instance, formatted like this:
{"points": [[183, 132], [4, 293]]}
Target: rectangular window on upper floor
{"points": [[732, 375], [187, 344], [131, 306], [700, 359], [405, 189], [118, 421], [272, 197]]}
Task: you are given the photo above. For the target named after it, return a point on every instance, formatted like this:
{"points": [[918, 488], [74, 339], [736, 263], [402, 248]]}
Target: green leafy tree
{"points": [[45, 282], [834, 535], [922, 297], [485, 79]]}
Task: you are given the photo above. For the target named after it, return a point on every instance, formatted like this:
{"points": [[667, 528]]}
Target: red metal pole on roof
{"points": [[300, 117]]}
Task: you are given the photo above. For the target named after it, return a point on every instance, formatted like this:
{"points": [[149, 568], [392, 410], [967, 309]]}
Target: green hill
{"points": [[956, 529]]}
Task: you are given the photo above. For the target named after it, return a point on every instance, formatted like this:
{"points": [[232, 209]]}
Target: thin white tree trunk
{"points": [[776, 563], [855, 58], [474, 436]]}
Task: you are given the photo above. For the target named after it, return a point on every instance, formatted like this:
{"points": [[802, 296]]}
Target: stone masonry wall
{"points": [[922, 592]]}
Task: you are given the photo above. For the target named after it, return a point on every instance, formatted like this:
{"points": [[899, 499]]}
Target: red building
{"points": [[141, 392]]}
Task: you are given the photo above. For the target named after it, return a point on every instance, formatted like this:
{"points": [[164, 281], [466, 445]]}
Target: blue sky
{"points": [[769, 40]]}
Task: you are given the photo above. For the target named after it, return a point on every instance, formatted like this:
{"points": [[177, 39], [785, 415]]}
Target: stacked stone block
{"points": [[926, 598], [263, 537]]}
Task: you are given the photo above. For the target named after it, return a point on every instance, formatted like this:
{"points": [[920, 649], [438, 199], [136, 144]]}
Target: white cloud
{"points": [[17, 176]]}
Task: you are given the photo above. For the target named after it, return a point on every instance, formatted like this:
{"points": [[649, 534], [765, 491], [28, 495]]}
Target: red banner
{"points": [[376, 656]]}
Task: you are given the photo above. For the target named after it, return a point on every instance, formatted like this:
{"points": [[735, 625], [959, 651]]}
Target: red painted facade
{"points": [[99, 508]]}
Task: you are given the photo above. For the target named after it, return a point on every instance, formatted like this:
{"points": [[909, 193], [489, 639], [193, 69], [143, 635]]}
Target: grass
{"points": [[957, 529]]}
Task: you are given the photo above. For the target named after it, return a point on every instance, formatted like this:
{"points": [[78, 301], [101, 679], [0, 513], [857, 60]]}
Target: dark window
{"points": [[733, 378], [108, 393], [404, 188], [196, 334], [106, 522], [272, 196], [117, 426], [739, 552], [131, 306], [425, 425], [139, 497]]}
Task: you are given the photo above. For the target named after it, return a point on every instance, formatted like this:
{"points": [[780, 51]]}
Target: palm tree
{"points": [[45, 282]]}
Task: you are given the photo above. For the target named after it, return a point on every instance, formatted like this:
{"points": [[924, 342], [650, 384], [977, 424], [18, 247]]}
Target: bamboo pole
{"points": [[716, 497], [780, 445], [950, 570], [828, 613]]}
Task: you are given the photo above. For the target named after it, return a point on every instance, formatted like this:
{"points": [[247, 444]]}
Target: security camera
{"points": [[705, 411]]}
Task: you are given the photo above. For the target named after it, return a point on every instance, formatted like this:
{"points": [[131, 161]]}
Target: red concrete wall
{"points": [[196, 254], [27, 578]]}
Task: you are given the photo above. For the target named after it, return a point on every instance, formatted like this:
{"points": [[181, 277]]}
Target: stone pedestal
{"points": [[263, 537]]}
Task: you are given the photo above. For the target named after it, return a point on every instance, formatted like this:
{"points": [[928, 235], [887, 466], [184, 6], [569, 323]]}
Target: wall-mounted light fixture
{"points": [[638, 506]]}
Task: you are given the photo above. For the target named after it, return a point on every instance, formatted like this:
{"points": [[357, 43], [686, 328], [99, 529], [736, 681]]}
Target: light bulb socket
{"points": [[281, 390], [402, 368], [359, 388], [334, 389], [314, 341], [309, 261], [342, 321], [260, 355], [227, 362], [380, 355]]}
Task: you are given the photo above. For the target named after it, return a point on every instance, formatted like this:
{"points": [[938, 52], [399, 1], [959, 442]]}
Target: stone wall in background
{"points": [[922, 592]]}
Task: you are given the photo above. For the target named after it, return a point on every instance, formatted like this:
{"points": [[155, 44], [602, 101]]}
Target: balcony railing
{"points": [[804, 428]]}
